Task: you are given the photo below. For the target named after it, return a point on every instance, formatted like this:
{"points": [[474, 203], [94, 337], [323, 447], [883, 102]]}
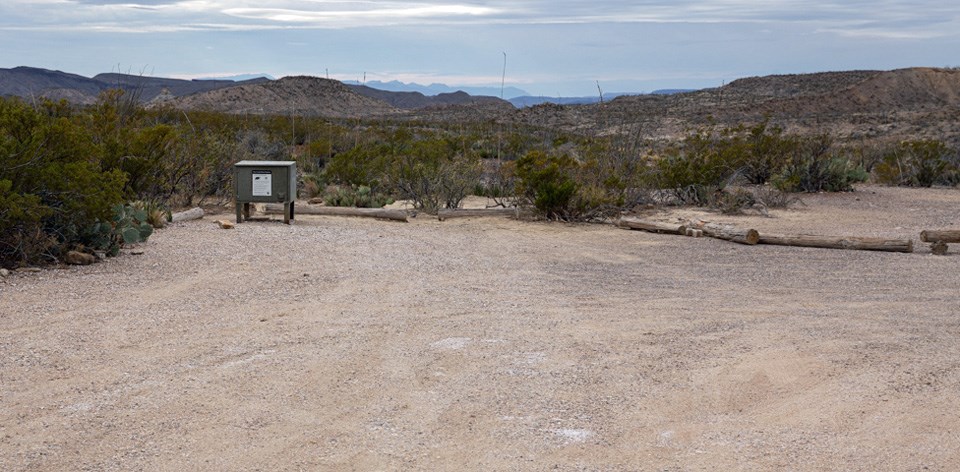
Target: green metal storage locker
{"points": [[265, 182]]}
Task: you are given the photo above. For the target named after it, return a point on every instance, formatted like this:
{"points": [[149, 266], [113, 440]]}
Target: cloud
{"points": [[373, 15], [851, 18]]}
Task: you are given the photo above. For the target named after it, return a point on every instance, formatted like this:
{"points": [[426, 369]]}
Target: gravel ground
{"points": [[493, 344]]}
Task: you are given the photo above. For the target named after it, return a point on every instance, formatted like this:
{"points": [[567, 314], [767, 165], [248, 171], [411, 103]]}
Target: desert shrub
{"points": [[355, 196], [257, 144], [615, 174], [204, 168], [434, 174], [52, 184], [919, 164], [498, 182], [365, 164], [692, 174], [22, 238], [549, 182], [732, 201], [316, 155], [772, 197], [704, 163], [763, 154], [431, 170], [815, 167], [314, 184]]}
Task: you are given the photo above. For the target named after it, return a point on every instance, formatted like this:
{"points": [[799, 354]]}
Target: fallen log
{"points": [[945, 235], [395, 215], [446, 214], [652, 226], [838, 242], [747, 236], [191, 214]]}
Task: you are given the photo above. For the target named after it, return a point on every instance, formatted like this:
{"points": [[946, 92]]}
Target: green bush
{"points": [[815, 167], [919, 164], [434, 174], [549, 182], [363, 165], [766, 151], [700, 166], [52, 184], [355, 196]]}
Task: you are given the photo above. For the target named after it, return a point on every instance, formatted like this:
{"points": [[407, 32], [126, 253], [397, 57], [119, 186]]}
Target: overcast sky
{"points": [[559, 47]]}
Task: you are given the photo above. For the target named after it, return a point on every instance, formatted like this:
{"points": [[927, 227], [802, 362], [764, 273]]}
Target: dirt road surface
{"points": [[493, 344]]}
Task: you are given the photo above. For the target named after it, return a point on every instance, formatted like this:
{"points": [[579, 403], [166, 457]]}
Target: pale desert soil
{"points": [[492, 344]]}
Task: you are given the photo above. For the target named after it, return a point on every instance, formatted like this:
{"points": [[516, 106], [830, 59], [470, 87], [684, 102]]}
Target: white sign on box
{"points": [[262, 183]]}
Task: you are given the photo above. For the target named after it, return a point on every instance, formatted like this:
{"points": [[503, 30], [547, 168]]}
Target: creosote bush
{"points": [[51, 183], [549, 182], [355, 196], [814, 166], [919, 164]]}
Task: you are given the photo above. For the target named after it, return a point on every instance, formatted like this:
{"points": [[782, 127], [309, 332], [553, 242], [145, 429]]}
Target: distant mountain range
{"points": [[438, 89], [518, 97], [241, 77], [529, 101]]}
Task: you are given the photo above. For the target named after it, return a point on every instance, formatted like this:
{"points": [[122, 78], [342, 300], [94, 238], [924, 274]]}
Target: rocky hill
{"points": [[31, 82], [416, 100], [899, 104], [309, 96], [150, 88]]}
